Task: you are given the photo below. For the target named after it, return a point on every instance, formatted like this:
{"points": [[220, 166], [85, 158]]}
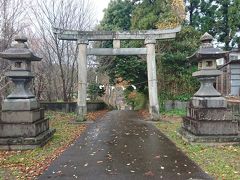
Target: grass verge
{"points": [[31, 163], [221, 162]]}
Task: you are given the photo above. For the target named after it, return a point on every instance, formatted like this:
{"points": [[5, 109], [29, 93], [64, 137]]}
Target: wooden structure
{"points": [[229, 82]]}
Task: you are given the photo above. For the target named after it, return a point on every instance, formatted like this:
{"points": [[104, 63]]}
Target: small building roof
{"points": [[235, 50]]}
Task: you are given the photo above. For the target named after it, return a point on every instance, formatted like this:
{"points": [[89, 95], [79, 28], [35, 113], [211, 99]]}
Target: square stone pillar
{"points": [[116, 44], [82, 80], [152, 79]]}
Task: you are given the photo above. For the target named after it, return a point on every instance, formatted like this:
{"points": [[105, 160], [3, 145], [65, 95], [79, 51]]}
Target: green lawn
{"points": [[222, 162]]}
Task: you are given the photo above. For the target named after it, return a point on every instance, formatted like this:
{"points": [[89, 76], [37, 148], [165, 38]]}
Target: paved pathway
{"points": [[120, 146]]}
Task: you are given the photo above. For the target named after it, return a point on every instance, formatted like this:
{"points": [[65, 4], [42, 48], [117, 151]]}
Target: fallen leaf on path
{"points": [[85, 165], [93, 116], [149, 173], [75, 176]]}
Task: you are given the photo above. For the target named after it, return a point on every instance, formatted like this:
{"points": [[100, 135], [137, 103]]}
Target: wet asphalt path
{"points": [[120, 146]]}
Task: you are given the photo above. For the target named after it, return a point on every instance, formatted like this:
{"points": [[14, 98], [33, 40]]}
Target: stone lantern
{"points": [[208, 120], [22, 122]]}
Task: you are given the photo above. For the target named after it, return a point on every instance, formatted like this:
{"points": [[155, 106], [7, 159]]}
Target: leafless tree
{"points": [[59, 57], [12, 16]]}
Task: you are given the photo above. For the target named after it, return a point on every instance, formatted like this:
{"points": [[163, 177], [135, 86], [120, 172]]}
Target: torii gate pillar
{"points": [[152, 79], [82, 79]]}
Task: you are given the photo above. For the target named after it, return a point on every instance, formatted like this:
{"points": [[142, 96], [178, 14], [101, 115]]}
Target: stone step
{"points": [[24, 129], [208, 102], [20, 104], [213, 114], [209, 140], [25, 143], [11, 117], [200, 128]]}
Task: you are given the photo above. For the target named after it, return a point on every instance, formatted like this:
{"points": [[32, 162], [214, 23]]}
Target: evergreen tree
{"points": [[228, 23], [221, 18], [174, 73], [117, 16]]}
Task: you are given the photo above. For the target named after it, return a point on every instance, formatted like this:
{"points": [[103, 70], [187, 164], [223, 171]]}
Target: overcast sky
{"points": [[100, 5]]}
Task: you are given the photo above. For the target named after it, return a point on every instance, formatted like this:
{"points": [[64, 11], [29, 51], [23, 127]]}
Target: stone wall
{"points": [[71, 106], [169, 105]]}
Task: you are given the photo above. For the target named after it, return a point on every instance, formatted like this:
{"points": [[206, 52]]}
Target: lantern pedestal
{"points": [[23, 125], [208, 140], [209, 121], [25, 143]]}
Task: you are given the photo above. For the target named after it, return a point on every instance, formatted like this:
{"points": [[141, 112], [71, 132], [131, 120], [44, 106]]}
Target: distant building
{"points": [[229, 83]]}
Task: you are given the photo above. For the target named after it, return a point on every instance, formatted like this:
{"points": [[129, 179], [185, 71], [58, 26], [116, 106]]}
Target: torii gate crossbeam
{"points": [[74, 35], [83, 38]]}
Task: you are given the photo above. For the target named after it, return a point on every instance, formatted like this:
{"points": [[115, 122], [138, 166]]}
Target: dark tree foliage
{"points": [[117, 16], [221, 18], [176, 76], [95, 90], [174, 69], [228, 22], [130, 68]]}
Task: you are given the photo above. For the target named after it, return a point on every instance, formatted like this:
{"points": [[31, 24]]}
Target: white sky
{"points": [[100, 5]]}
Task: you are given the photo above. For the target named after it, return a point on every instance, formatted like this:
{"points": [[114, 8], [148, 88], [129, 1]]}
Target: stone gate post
{"points": [[152, 79], [82, 79]]}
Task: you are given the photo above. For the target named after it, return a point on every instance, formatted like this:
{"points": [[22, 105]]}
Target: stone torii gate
{"points": [[83, 38]]}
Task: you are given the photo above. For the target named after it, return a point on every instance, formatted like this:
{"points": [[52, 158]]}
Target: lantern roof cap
{"points": [[19, 50], [207, 50], [206, 37]]}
